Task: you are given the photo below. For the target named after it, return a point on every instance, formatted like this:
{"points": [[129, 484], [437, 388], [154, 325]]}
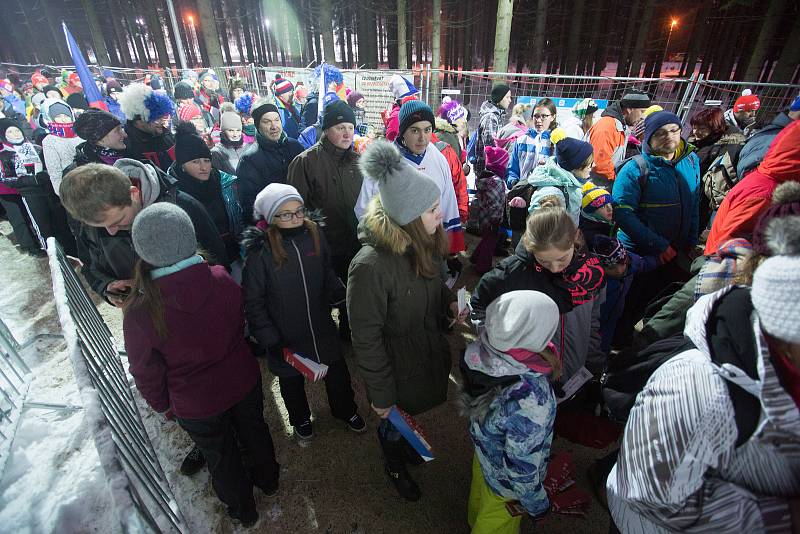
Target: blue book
{"points": [[412, 432]]}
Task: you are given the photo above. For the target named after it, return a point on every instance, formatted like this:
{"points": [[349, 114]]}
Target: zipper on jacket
{"points": [[308, 302]]}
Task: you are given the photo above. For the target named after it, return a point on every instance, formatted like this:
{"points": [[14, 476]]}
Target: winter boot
{"points": [[395, 468], [193, 462]]}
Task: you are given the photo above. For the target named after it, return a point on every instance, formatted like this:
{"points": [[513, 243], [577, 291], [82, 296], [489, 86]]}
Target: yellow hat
{"points": [[594, 197], [652, 109]]}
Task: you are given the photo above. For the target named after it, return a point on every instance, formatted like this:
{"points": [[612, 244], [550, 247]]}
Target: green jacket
{"points": [[398, 320]]}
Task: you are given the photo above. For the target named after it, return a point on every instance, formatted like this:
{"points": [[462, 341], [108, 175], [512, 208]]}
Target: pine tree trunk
{"points": [[56, 34], [349, 29], [502, 35], [786, 70], [156, 33], [574, 39], [219, 14], [237, 36], [698, 38], [133, 30], [391, 40], [538, 36], [244, 22], [629, 27], [765, 37], [100, 51], [436, 50], [326, 28], [367, 38], [402, 56], [641, 38]]}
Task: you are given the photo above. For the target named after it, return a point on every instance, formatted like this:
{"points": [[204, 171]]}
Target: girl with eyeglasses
{"points": [[534, 147], [289, 287]]}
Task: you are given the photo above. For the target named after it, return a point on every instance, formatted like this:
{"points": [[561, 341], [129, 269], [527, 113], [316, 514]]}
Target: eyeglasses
{"points": [[666, 133], [540, 117], [287, 216]]}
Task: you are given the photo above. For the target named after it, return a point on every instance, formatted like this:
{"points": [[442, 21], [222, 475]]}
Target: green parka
{"points": [[398, 320]]}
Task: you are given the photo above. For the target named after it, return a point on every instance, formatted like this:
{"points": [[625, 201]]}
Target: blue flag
{"points": [[90, 90]]}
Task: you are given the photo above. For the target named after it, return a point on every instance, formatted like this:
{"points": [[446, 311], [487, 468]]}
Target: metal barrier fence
{"points": [[14, 382], [683, 96], [141, 493]]}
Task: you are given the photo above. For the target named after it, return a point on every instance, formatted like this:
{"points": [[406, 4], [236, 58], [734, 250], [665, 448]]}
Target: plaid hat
{"points": [[747, 102], [281, 85], [499, 92], [414, 111], [635, 100], [585, 107], [94, 124], [608, 250], [163, 234], [594, 198]]}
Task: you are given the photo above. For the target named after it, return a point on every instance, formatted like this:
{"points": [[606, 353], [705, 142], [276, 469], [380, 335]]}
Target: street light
{"points": [[266, 23], [672, 24]]}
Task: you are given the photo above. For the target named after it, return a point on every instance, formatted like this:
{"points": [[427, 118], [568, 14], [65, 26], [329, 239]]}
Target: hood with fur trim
{"points": [[444, 126], [377, 229]]}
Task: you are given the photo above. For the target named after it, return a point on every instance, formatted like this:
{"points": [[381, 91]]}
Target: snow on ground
{"points": [[53, 480]]}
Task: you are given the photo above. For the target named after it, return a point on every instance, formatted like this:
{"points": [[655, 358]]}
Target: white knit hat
{"points": [[521, 320], [776, 282], [271, 198]]}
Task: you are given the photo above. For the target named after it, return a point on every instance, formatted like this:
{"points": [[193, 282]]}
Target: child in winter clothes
{"points": [[60, 146], [620, 267], [184, 334], [511, 409], [597, 213], [533, 148], [491, 196], [225, 156], [289, 287], [550, 259]]}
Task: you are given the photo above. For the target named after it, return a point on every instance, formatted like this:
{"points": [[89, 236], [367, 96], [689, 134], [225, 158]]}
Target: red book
{"points": [[308, 368]]}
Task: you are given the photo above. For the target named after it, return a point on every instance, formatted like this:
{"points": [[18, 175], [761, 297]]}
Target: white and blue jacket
{"points": [[529, 150]]}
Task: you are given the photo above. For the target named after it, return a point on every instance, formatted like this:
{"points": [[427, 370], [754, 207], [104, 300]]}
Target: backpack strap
{"points": [[644, 174], [728, 344]]}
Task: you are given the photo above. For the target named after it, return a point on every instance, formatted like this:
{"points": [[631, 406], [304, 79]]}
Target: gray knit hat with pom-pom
{"points": [[406, 193]]}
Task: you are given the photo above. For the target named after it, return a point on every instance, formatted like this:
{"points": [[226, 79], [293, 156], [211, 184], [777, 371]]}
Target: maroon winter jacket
{"points": [[204, 366]]}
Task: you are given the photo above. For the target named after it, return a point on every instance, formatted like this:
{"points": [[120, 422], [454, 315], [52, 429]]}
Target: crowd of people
{"points": [[230, 226]]}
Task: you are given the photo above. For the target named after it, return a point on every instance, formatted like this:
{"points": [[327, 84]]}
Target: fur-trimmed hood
{"points": [[379, 230], [444, 126]]}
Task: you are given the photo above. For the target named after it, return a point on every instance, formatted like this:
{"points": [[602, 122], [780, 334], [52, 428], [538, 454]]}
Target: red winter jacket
{"points": [[459, 180], [204, 366], [738, 214], [393, 124]]}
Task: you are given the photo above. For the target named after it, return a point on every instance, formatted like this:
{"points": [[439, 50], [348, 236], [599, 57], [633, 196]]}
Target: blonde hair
{"points": [[549, 228], [553, 361]]}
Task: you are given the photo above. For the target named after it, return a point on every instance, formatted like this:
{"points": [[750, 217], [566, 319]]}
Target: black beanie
{"points": [[183, 91], [77, 101], [189, 145], [94, 124], [48, 88], [337, 113], [260, 110], [499, 91]]}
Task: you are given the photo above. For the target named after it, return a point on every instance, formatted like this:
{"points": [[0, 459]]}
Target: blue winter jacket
{"points": [[291, 125], [513, 440], [616, 291], [755, 149], [669, 212], [529, 151]]}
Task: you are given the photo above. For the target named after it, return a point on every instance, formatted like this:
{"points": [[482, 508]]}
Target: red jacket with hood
{"points": [[738, 214]]}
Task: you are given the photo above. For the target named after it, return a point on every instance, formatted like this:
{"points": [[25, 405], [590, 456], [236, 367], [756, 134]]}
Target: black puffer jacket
{"points": [[290, 306], [263, 163]]}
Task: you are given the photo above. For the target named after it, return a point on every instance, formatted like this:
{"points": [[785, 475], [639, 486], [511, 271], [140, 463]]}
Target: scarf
{"points": [[582, 278], [721, 268], [62, 129], [227, 143], [415, 158], [109, 155], [175, 267], [534, 360], [26, 159]]}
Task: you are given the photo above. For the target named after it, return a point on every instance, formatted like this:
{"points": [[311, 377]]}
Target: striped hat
{"points": [[594, 198], [281, 85]]}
